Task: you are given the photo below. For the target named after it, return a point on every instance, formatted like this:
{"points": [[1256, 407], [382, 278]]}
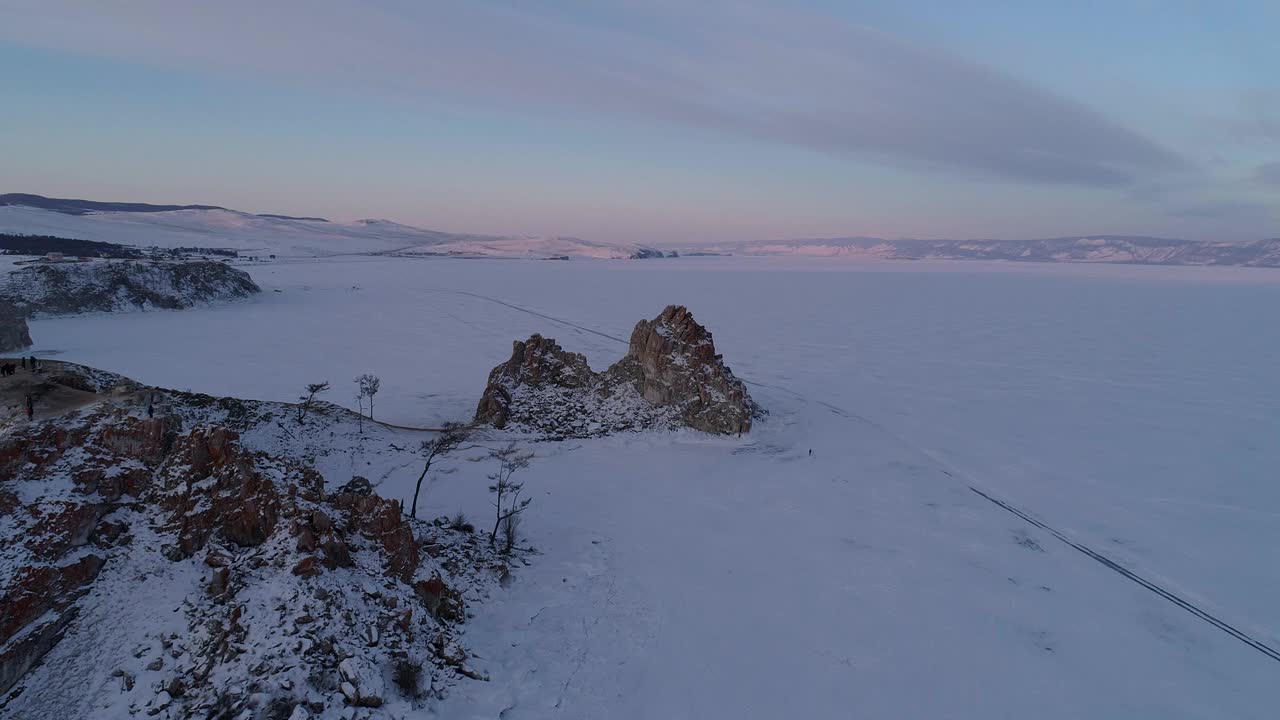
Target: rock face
{"points": [[14, 334], [113, 286], [672, 362], [670, 377], [535, 363]]}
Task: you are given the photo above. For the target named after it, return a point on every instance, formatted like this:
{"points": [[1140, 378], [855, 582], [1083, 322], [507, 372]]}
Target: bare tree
{"points": [[306, 402], [369, 386], [450, 437], [507, 502]]}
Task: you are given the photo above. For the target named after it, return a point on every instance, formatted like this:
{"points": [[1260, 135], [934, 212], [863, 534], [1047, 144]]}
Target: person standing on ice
{"points": [[31, 407]]}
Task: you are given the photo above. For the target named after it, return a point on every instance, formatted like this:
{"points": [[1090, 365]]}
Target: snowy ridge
{"points": [[288, 237]]}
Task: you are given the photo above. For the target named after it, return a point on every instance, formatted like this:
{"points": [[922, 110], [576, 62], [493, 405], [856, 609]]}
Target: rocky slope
{"points": [[14, 334], [670, 377], [105, 286], [166, 567]]}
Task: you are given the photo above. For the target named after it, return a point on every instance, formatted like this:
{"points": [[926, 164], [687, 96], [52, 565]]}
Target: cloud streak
{"points": [[738, 69]]}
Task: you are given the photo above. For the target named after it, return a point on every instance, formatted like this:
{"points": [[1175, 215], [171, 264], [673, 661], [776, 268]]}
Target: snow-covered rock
{"points": [[670, 377], [110, 286], [163, 550]]}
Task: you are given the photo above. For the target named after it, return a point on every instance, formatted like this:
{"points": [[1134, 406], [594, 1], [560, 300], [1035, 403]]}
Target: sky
{"points": [[660, 121]]}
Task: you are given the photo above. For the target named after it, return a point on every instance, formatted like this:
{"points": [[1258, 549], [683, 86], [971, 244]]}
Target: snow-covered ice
{"points": [[1135, 410]]}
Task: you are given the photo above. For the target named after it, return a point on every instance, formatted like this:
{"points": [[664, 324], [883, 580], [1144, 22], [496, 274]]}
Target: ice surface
{"points": [[684, 576]]}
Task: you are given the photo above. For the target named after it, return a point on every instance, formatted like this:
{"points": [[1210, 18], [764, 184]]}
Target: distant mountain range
{"points": [[1130, 249], [169, 226], [72, 206]]}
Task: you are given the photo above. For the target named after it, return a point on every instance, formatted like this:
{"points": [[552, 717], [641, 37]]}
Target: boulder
{"points": [[361, 682]]}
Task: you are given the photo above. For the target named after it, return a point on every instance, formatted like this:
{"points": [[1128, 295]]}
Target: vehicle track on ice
{"points": [[944, 468]]}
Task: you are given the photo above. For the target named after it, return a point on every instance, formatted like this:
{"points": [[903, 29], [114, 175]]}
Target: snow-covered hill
{"points": [[171, 226], [202, 563], [1093, 249], [287, 237], [529, 247]]}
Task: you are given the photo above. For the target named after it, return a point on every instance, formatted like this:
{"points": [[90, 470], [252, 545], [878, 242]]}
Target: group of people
{"points": [[28, 363], [9, 369]]}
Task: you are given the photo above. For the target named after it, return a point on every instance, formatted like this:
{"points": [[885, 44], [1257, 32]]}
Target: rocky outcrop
{"points": [[672, 362], [113, 286], [118, 529], [535, 363], [14, 334], [670, 377]]}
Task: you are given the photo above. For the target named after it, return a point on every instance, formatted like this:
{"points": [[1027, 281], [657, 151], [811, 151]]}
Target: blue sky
{"points": [[660, 121]]}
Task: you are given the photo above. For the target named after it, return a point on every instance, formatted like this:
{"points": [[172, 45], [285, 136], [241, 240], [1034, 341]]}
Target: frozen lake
{"points": [[1134, 409]]}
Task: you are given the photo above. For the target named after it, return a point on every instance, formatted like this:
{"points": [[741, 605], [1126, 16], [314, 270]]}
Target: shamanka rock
{"points": [[672, 362], [670, 377]]}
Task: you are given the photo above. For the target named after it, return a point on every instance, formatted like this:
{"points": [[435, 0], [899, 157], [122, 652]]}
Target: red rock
{"points": [[107, 533], [678, 366], [307, 567], [306, 540], [382, 520], [38, 589], [321, 522], [220, 584], [62, 526], [336, 554], [441, 601]]}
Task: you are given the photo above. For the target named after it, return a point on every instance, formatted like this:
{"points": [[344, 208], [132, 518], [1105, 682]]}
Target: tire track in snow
{"points": [[1166, 594], [1103, 560], [535, 313]]}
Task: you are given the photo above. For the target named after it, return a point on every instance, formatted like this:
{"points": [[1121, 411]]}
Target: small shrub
{"points": [[510, 528], [407, 676], [460, 523]]}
